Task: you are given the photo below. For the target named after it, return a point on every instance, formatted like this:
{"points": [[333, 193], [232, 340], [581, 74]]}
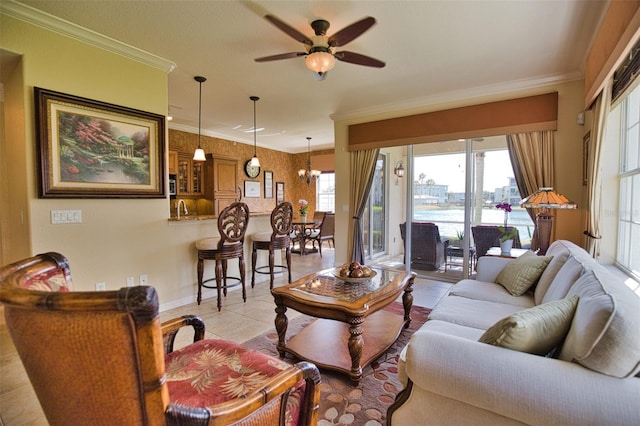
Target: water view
{"points": [[450, 220]]}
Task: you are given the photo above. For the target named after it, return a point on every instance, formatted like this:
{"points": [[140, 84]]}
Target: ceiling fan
{"points": [[320, 50]]}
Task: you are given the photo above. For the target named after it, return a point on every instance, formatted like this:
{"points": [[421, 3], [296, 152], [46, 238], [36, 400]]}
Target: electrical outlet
{"points": [[101, 286], [144, 279], [130, 282]]}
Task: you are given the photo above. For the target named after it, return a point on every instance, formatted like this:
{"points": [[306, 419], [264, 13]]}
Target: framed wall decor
{"points": [[268, 184], [279, 192], [251, 189], [92, 149]]}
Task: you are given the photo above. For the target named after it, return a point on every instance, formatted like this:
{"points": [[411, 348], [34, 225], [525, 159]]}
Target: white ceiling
{"points": [[435, 51]]}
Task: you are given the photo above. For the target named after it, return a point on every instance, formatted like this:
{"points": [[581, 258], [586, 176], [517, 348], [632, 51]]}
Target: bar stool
{"points": [[277, 239], [232, 226]]}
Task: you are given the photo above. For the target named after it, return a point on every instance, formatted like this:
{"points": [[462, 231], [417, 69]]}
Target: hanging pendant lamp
{"points": [[199, 154], [308, 174], [254, 161]]}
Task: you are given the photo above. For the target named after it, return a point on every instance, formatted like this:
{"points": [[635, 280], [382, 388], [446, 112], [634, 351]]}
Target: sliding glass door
{"points": [[456, 186], [375, 232]]}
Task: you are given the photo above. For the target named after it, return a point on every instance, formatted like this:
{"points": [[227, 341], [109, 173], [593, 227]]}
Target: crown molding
{"points": [[461, 95], [69, 29]]}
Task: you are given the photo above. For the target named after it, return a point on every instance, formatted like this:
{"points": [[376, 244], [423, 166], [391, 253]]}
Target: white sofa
{"points": [[451, 378]]}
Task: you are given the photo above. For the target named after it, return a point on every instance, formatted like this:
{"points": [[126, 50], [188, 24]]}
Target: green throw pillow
{"points": [[519, 275], [536, 330]]}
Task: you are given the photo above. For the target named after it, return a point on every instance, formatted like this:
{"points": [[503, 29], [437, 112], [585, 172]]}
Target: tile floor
{"points": [[237, 321]]}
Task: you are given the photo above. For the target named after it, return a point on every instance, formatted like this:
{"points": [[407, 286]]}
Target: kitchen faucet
{"points": [[184, 206]]}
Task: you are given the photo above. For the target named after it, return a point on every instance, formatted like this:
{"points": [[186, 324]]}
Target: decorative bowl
{"points": [[336, 273]]}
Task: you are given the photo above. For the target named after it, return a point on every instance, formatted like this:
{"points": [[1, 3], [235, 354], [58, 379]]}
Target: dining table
{"points": [[302, 229]]}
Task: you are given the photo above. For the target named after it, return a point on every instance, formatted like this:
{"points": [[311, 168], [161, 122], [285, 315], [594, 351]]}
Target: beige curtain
{"points": [[363, 166], [594, 184], [533, 165]]}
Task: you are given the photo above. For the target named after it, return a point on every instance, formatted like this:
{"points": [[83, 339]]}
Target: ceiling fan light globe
{"points": [[320, 62]]}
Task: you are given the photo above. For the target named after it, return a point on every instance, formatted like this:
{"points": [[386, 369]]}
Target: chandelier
{"points": [[307, 174]]}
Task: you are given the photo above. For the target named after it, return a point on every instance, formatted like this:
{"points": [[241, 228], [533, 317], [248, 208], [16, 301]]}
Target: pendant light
{"points": [[254, 161], [199, 154], [308, 174]]}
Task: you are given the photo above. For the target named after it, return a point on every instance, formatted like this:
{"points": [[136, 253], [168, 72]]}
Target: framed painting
{"points": [[91, 149], [279, 192], [251, 189], [268, 184]]}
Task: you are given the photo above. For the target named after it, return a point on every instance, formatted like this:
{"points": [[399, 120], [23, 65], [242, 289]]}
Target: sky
{"points": [[449, 170]]}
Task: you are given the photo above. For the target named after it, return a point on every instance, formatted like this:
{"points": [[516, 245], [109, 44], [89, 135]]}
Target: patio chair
{"points": [[428, 250], [487, 236]]}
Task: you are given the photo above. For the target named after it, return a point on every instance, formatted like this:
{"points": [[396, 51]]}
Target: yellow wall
{"points": [[568, 155], [117, 238]]}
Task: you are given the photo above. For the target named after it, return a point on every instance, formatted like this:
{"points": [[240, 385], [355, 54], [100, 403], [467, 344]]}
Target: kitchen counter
{"points": [[197, 217]]}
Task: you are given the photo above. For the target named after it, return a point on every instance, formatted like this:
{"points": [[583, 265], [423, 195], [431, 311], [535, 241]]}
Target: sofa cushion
{"points": [[536, 330], [471, 313], [490, 292], [522, 273], [564, 279], [560, 253], [604, 333]]}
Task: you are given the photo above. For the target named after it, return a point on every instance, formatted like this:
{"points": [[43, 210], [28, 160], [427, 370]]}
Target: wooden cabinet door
{"points": [[225, 183], [173, 162], [197, 178], [184, 175]]}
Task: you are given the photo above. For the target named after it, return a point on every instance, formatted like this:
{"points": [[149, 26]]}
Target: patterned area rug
{"points": [[342, 403]]}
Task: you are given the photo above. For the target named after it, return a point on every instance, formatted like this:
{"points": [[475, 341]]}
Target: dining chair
{"points": [[104, 358], [232, 226], [277, 239], [324, 232]]}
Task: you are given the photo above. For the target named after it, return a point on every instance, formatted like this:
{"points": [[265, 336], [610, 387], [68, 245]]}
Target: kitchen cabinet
{"points": [[173, 162], [189, 176], [224, 185]]}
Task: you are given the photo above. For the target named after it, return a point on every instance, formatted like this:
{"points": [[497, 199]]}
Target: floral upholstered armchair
{"points": [[117, 364]]}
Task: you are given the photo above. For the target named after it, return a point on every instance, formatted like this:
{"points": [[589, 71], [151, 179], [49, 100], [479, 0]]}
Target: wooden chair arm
{"points": [[171, 327]]}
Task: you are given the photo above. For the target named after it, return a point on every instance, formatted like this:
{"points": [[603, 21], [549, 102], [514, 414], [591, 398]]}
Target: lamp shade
{"points": [[320, 62], [198, 155], [547, 198]]}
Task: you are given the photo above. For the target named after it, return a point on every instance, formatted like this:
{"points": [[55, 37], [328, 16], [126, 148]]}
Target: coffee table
{"points": [[352, 330]]}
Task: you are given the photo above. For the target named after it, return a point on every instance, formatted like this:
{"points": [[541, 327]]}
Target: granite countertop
{"points": [[197, 217]]}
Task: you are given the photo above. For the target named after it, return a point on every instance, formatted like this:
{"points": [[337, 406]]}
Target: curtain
{"points": [[363, 166], [594, 183], [532, 160]]}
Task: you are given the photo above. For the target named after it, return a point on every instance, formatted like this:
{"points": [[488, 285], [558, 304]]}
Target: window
{"points": [[628, 250], [326, 192]]}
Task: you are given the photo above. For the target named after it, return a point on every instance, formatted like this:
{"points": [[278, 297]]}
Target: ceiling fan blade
{"points": [[280, 56], [350, 32], [358, 59], [292, 32]]}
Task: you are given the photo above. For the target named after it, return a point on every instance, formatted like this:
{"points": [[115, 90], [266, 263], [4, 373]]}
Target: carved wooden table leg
{"points": [[356, 343], [407, 302], [281, 326]]}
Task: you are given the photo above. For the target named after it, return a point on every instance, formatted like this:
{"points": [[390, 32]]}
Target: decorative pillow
{"points": [[536, 330], [520, 274]]}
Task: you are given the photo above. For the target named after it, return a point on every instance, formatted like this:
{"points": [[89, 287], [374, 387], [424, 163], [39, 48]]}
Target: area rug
{"points": [[341, 402]]}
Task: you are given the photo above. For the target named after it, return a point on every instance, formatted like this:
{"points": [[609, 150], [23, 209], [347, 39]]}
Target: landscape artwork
{"points": [[90, 149], [98, 150]]}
